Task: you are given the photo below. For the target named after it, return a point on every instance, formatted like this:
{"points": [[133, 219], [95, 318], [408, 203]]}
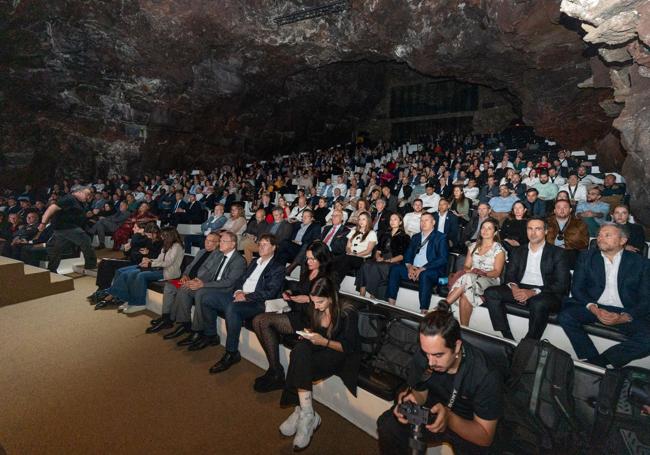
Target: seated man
{"points": [[534, 205], [226, 269], [280, 228], [465, 418], [303, 234], [593, 211], [380, 216], [109, 224], [537, 277], [262, 281], [430, 200], [567, 232], [256, 226], [335, 236], [447, 223], [425, 260], [489, 190], [502, 204], [192, 213], [214, 223], [612, 286], [613, 193], [26, 232], [295, 216], [412, 219], [636, 234], [547, 189]]}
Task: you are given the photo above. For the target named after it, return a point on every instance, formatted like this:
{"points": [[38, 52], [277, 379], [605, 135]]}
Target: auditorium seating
{"points": [[21, 282]]}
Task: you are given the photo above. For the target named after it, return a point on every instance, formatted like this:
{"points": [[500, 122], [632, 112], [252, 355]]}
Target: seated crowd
{"points": [[390, 218]]}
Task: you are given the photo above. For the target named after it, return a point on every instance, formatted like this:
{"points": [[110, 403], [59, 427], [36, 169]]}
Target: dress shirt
{"points": [[503, 204], [442, 219], [533, 274], [420, 258], [610, 295], [251, 282], [598, 207], [412, 223], [430, 201], [225, 263], [301, 232]]}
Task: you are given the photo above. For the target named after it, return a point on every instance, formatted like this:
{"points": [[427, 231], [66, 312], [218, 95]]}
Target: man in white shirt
{"points": [[537, 278], [430, 199], [577, 192], [412, 219], [610, 286], [296, 213], [262, 281]]}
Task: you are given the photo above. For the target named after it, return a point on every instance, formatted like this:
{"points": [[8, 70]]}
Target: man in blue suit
{"points": [[424, 262], [610, 286], [262, 281]]}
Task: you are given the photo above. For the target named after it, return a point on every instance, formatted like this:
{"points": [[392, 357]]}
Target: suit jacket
{"points": [[269, 285], [312, 233], [471, 228], [437, 251], [451, 226], [194, 213], [554, 268], [207, 269], [384, 224], [233, 272], [633, 281], [340, 240], [538, 208], [284, 232], [576, 233]]}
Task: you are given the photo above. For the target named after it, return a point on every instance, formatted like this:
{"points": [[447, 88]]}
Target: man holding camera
{"points": [[458, 387]]}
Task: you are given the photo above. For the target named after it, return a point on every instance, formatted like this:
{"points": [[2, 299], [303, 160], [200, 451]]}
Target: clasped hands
{"points": [[521, 295], [609, 317], [414, 272]]}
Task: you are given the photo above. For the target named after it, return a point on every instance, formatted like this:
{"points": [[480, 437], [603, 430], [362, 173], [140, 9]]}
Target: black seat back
{"points": [[498, 351]]}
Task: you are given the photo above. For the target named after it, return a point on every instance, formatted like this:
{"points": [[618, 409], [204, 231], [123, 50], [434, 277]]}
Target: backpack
{"points": [[538, 405], [372, 327], [400, 342]]}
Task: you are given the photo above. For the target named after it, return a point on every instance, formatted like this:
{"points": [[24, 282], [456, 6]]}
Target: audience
{"points": [[567, 232], [593, 211], [513, 231], [361, 243]]}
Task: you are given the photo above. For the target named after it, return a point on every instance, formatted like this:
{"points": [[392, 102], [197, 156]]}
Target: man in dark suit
{"points": [[380, 217], [425, 260], [280, 228], [262, 281], [447, 223], [610, 286], [335, 236], [191, 213], [472, 230], [534, 205], [537, 277], [303, 234]]}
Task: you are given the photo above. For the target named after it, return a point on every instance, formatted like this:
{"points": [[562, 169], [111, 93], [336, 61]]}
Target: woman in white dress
{"points": [[483, 267]]}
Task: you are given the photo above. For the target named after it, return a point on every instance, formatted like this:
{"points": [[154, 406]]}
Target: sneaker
{"points": [[123, 307], [308, 423], [130, 309], [289, 426]]}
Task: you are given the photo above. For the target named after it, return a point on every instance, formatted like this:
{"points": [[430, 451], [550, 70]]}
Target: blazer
{"points": [[269, 286], [384, 221], [451, 226], [471, 228], [284, 232], [194, 213], [233, 271], [576, 233], [437, 251], [554, 268], [207, 269], [170, 261], [633, 281], [312, 233], [340, 240]]}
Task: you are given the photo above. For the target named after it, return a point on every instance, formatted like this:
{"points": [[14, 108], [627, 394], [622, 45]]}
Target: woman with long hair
{"points": [[329, 345], [123, 233], [361, 242], [483, 267], [513, 231], [129, 288], [269, 327], [373, 275], [460, 205]]}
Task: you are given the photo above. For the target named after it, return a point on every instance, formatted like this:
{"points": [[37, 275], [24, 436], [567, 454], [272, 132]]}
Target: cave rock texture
{"points": [[93, 86], [621, 30]]}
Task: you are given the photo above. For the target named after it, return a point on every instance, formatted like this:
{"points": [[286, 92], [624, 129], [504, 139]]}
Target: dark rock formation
{"points": [[621, 30], [93, 86]]}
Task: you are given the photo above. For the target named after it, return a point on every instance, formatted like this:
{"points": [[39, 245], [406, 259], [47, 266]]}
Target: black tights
{"points": [[268, 327]]}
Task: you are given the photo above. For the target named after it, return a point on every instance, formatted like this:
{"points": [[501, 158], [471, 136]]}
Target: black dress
{"points": [[373, 275]]}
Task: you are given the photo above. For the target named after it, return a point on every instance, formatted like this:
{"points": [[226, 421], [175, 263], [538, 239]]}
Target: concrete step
{"points": [[21, 282]]}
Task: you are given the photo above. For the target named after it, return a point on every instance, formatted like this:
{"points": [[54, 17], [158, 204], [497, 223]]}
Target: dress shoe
{"points": [[228, 360], [204, 342], [156, 321], [268, 373], [180, 330], [193, 337], [271, 383], [163, 324]]}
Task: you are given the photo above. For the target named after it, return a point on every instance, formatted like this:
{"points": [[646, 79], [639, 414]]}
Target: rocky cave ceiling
{"points": [[90, 86]]}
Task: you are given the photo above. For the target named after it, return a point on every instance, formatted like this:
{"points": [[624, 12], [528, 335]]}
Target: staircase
{"points": [[20, 282]]}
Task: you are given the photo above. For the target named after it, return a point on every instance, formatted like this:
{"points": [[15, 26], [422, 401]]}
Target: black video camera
{"points": [[416, 414]]}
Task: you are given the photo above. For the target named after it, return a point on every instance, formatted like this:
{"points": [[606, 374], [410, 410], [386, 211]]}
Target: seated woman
{"points": [[513, 231], [361, 242], [361, 207], [460, 205], [483, 267], [130, 283], [321, 211], [145, 242], [269, 327], [123, 233], [330, 346], [237, 222], [373, 275]]}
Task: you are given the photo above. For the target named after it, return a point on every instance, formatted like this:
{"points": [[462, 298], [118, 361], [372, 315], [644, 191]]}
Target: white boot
{"points": [[288, 427], [307, 424]]}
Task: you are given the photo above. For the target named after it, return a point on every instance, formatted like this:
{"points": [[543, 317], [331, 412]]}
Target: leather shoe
{"points": [[156, 321], [204, 342], [193, 337], [274, 382], [163, 324], [180, 330], [228, 360]]}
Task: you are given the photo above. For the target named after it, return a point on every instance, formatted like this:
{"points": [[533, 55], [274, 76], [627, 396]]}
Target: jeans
{"points": [[130, 284]]}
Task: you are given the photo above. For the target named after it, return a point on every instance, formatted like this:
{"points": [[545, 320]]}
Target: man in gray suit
{"points": [[109, 224], [201, 269], [230, 266]]}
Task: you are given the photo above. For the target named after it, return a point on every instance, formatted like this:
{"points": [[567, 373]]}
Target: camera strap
{"points": [[458, 379]]}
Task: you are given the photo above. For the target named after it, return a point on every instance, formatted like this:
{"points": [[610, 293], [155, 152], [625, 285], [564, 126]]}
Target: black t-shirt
{"points": [[480, 391], [71, 215]]}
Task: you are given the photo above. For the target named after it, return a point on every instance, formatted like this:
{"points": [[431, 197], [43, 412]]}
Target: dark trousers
{"points": [[288, 251], [106, 271], [538, 306], [235, 313], [191, 240], [426, 282], [394, 438], [346, 265], [574, 315], [309, 363], [66, 239], [33, 254]]}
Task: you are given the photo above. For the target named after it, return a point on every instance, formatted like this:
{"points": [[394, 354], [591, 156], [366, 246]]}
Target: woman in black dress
{"points": [[269, 327], [373, 275], [513, 230]]}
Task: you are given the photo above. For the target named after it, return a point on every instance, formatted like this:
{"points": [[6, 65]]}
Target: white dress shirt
{"points": [[533, 274], [442, 219], [610, 295], [430, 201], [251, 282], [223, 268]]}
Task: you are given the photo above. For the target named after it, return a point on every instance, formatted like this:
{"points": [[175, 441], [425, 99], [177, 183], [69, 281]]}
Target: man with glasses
{"points": [[226, 267], [593, 211]]}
